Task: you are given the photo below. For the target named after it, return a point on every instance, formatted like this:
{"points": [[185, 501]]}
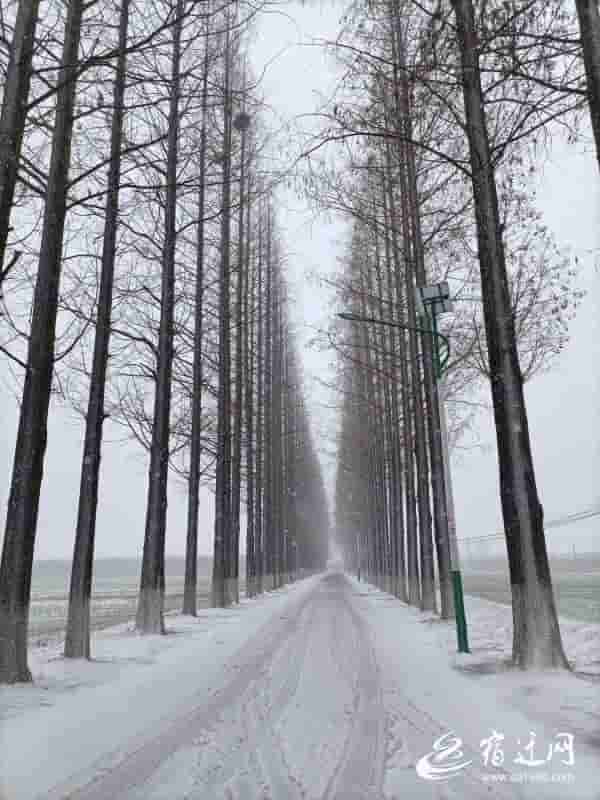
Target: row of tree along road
{"points": [[445, 109], [143, 283]]}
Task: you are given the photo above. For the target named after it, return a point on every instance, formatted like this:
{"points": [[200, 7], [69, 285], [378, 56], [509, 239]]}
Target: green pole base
{"points": [[459, 609]]}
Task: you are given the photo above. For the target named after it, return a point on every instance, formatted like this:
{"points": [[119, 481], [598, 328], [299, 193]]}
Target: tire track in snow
{"points": [[300, 716], [410, 733], [257, 752], [119, 774], [359, 775]]}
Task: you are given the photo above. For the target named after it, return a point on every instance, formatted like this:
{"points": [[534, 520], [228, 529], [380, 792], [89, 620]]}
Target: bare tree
{"points": [[222, 540], [21, 518], [413, 238], [149, 618], [77, 640], [241, 123], [250, 358], [268, 482], [259, 554], [536, 634], [13, 115], [589, 24], [191, 550]]}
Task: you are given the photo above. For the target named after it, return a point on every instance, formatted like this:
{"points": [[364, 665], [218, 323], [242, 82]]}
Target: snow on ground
{"points": [[79, 711], [478, 693], [572, 701], [326, 690]]}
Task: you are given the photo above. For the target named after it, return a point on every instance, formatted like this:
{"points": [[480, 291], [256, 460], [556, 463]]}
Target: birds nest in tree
{"points": [[241, 121]]}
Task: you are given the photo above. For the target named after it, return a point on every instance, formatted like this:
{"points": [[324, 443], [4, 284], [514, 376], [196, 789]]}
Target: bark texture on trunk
{"points": [[249, 340], [191, 545], [412, 559], [399, 525], [407, 201], [384, 411], [268, 482], [427, 347], [537, 641], [260, 449], [28, 464], [77, 640], [398, 389], [150, 608], [219, 589], [236, 472], [589, 24], [14, 111], [275, 423]]}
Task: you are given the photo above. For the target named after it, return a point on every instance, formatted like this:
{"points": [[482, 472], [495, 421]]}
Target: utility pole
{"points": [[422, 295], [437, 299]]}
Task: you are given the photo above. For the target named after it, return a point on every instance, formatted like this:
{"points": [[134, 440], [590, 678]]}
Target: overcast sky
{"points": [[563, 406]]}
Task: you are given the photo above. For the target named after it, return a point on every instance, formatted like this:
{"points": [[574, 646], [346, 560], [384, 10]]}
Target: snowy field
{"points": [[116, 586], [114, 594], [325, 690], [49, 612], [576, 584]]}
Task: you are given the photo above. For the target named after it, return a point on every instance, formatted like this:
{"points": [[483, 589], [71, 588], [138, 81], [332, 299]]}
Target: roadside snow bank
{"points": [[478, 695]]}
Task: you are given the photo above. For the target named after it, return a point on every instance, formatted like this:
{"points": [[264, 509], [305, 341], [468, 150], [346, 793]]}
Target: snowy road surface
{"points": [[299, 715], [315, 704]]}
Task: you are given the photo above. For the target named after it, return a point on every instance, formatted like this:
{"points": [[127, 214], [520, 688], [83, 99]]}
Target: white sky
{"points": [[564, 406]]}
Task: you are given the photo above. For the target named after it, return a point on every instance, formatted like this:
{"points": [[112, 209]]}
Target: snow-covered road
{"points": [[299, 714], [328, 690]]}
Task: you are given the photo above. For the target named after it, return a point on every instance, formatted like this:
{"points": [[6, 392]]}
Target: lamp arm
{"points": [[389, 323]]}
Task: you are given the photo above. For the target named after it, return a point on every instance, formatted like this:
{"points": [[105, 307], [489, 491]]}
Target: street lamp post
{"points": [[438, 299]]}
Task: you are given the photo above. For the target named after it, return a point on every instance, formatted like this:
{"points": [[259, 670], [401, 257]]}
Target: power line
{"points": [[553, 523]]}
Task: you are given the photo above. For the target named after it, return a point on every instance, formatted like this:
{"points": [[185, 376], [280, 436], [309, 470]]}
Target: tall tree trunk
{"points": [[28, 464], [268, 416], [407, 201], [399, 526], [425, 527], [77, 640], [282, 473], [190, 589], [260, 449], [285, 488], [589, 24], [536, 639], [152, 584], [293, 390], [14, 112], [276, 532], [373, 435], [236, 472], [384, 401], [427, 344], [412, 562], [249, 339], [223, 474]]}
